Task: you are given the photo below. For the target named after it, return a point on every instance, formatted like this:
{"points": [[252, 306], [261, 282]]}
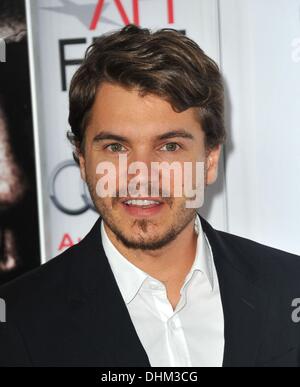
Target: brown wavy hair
{"points": [[165, 63]]}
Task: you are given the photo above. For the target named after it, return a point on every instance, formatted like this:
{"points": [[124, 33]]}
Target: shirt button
{"points": [[173, 324]]}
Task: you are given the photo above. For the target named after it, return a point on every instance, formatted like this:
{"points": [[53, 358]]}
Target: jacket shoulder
{"points": [[268, 261], [39, 286]]}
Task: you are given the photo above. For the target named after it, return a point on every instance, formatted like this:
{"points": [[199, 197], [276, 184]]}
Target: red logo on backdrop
{"points": [[67, 242], [91, 16], [136, 15]]}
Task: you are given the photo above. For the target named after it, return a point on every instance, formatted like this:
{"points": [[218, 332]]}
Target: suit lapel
{"points": [[97, 303], [111, 333], [244, 304]]}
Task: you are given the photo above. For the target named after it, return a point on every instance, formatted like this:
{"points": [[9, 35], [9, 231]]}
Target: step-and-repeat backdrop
{"points": [[257, 45], [61, 32]]}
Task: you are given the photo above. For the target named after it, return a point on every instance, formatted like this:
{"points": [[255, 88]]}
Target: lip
{"points": [[142, 212], [142, 198]]}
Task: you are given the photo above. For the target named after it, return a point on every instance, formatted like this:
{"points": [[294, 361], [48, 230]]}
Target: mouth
{"points": [[141, 207], [7, 250]]}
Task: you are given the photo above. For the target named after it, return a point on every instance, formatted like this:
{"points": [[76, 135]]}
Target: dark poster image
{"points": [[19, 232]]}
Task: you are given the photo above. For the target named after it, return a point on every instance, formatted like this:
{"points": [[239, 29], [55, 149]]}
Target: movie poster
{"points": [[19, 227]]}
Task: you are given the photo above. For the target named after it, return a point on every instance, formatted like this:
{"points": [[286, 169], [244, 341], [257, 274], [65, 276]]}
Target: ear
{"points": [[212, 161], [82, 166]]}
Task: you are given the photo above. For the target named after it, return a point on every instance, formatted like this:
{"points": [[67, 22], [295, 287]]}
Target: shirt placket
{"points": [[175, 339]]}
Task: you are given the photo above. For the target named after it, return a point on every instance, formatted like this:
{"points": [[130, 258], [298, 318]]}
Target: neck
{"points": [[171, 263]]}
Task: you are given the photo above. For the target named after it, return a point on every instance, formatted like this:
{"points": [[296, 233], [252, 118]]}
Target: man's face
{"points": [[11, 191], [145, 129]]}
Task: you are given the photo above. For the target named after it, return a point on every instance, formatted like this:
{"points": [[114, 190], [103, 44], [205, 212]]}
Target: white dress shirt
{"points": [[192, 335]]}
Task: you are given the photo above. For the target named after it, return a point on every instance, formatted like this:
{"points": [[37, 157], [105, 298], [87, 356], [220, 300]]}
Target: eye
{"points": [[115, 147], [171, 147]]}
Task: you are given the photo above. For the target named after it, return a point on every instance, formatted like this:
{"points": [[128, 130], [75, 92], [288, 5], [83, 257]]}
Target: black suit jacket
{"points": [[70, 312]]}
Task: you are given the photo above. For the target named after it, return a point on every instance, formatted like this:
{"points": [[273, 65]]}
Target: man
{"points": [[152, 284]]}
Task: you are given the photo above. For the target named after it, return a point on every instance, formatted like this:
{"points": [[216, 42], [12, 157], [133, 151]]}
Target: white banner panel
{"points": [[61, 31], [260, 42]]}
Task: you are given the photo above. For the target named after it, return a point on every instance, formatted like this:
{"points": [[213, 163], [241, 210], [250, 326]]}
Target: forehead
{"points": [[124, 111]]}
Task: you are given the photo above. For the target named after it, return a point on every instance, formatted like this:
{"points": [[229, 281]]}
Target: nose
{"points": [[12, 183], [143, 154], [143, 158]]}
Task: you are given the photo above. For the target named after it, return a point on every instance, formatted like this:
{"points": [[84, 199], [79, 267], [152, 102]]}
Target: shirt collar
{"points": [[130, 278], [203, 259]]}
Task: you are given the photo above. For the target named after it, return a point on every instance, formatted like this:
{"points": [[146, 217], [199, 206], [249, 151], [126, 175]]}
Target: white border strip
{"points": [[224, 150], [37, 150]]}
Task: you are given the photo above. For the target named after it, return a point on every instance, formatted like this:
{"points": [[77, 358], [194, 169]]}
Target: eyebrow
{"points": [[176, 133], [171, 134]]}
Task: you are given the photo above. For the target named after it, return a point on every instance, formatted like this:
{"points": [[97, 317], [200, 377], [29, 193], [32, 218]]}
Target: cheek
{"points": [[189, 176], [106, 203], [90, 167], [12, 182]]}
